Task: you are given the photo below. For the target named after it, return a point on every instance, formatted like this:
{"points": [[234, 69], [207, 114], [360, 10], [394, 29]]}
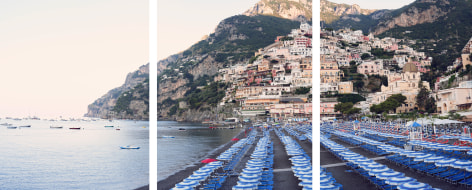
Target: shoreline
{"points": [[170, 181]]}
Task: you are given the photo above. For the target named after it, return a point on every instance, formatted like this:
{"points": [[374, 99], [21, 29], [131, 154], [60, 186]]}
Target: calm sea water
{"points": [[44, 158], [188, 147]]}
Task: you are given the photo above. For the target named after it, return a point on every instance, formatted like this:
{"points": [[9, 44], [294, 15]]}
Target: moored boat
{"points": [[182, 129], [76, 128], [129, 147], [12, 127], [168, 137], [108, 125], [25, 126], [55, 127]]}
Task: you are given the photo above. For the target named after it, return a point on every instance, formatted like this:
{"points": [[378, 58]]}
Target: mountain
{"points": [[186, 89], [300, 10], [437, 27], [331, 12], [132, 98]]}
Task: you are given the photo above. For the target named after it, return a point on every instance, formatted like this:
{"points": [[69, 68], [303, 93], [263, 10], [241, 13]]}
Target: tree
{"points": [[365, 56], [346, 108], [390, 104], [352, 63], [354, 98], [359, 85], [424, 101]]}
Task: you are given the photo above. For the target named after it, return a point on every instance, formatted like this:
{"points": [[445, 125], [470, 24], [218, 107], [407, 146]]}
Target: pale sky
{"points": [[182, 23], [371, 4], [58, 56]]}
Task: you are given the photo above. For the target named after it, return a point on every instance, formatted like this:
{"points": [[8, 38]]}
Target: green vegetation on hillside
{"points": [[139, 92]]}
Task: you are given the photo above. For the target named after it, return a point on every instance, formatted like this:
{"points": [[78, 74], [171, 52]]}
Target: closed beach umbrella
{"points": [[374, 166], [461, 164], [468, 168], [376, 172], [209, 160], [413, 186], [399, 180], [388, 175], [433, 159], [421, 158], [445, 162]]}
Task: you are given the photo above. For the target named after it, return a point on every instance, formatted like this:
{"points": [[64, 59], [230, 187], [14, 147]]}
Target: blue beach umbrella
{"points": [[389, 175], [445, 162], [374, 166], [421, 158], [468, 168], [376, 172], [433, 159], [414, 124], [187, 184], [461, 164], [413, 186], [399, 180], [328, 187]]}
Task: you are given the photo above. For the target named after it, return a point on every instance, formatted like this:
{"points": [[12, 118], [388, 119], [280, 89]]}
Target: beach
{"points": [[283, 175]]}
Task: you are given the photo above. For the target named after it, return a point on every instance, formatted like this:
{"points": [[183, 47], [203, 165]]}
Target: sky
{"points": [[57, 57], [371, 4], [182, 23]]}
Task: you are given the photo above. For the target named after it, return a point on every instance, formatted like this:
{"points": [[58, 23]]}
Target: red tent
{"points": [[208, 160]]}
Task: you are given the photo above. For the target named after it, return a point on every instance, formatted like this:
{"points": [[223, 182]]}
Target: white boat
{"points": [[168, 137], [129, 147], [25, 126], [55, 127], [12, 127]]}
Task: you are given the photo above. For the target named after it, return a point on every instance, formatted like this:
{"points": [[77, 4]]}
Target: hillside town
{"points": [[276, 82], [371, 70]]}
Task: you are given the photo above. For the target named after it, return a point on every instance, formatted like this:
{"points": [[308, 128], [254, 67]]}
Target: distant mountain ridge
{"points": [[300, 10], [331, 12]]}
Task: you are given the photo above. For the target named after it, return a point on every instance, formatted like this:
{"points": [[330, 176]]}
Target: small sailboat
{"points": [[55, 127], [25, 126], [75, 128], [12, 127], [129, 147]]}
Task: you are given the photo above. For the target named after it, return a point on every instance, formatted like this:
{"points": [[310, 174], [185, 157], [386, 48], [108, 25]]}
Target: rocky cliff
{"points": [[300, 10], [102, 107], [332, 11], [423, 11]]}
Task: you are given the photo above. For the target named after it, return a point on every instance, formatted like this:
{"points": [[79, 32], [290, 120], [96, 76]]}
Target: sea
{"points": [[188, 147], [90, 158]]}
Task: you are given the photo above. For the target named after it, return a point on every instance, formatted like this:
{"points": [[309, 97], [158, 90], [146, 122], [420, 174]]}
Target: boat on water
{"points": [[12, 127], [109, 126], [75, 128], [129, 147], [25, 126], [168, 137], [182, 129], [55, 127], [6, 124]]}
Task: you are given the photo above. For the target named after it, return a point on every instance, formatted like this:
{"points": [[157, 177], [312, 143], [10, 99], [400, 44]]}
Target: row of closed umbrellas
{"points": [[301, 164], [380, 171]]}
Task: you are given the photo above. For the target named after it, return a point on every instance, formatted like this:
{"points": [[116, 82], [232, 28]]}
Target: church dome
{"points": [[410, 67]]}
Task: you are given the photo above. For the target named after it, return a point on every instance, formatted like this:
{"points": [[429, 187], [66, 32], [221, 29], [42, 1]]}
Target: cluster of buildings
{"points": [[342, 49], [265, 86], [346, 48]]}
